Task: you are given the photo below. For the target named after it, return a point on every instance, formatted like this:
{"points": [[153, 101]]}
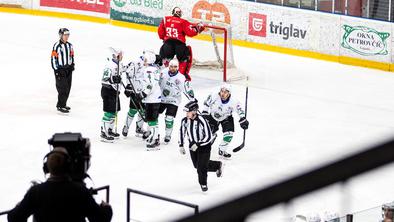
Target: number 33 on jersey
{"points": [[172, 27]]}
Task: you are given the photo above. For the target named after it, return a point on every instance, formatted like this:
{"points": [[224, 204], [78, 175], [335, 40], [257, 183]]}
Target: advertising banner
{"points": [[273, 25], [366, 39], [146, 12], [100, 6]]}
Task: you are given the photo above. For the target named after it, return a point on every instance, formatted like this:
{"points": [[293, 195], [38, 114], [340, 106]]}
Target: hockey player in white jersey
{"points": [[218, 108], [134, 86], [173, 85], [151, 94], [110, 94]]}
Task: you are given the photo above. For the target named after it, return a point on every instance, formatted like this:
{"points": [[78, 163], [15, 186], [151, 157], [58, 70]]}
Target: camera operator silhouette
{"points": [[60, 199]]}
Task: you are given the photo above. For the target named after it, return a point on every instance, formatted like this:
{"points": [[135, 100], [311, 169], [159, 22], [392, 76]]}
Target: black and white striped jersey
{"points": [[197, 130], [62, 55]]}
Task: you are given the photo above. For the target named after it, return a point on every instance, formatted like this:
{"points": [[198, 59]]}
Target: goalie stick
{"points": [[240, 147]]}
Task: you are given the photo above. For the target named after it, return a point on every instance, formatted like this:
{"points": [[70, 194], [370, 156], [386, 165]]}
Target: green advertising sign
{"points": [[364, 40], [137, 11]]}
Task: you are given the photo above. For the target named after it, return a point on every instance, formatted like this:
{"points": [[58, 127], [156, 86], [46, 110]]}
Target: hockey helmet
{"points": [[191, 106], [388, 210], [174, 62], [64, 31], [149, 57], [115, 53], [177, 12], [226, 87]]}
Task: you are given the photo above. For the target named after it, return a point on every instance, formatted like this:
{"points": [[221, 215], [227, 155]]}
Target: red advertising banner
{"points": [[257, 24], [101, 6]]}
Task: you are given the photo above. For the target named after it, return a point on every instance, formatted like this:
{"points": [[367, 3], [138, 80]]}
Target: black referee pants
{"points": [[63, 86], [203, 164]]}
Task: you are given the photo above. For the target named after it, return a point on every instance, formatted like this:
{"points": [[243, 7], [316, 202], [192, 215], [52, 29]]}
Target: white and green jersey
{"points": [[134, 75], [110, 70], [220, 110], [150, 85], [173, 86]]}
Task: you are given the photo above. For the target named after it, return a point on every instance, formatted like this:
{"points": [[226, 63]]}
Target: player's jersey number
{"points": [[172, 32]]}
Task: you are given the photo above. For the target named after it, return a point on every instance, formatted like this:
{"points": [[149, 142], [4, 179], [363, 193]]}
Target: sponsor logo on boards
{"points": [[258, 27], [364, 40]]}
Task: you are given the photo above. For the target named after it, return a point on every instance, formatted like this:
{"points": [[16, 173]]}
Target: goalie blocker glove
{"points": [[244, 123]]}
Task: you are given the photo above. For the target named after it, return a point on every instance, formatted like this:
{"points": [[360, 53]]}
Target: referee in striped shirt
{"points": [[200, 139], [62, 60]]}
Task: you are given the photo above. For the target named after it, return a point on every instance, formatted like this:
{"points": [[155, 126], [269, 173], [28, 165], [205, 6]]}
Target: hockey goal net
{"points": [[213, 57]]}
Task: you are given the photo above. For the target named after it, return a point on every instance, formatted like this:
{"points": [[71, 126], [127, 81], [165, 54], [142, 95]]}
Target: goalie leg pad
{"points": [[185, 57]]}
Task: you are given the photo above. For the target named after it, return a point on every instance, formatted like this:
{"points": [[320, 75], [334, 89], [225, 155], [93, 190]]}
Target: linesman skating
{"points": [[200, 136], [62, 60]]}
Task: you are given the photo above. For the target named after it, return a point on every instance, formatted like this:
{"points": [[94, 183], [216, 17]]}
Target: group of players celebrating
{"points": [[155, 84]]}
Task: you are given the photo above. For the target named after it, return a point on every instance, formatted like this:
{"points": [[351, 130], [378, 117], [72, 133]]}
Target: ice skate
{"points": [[224, 154], [204, 188]]}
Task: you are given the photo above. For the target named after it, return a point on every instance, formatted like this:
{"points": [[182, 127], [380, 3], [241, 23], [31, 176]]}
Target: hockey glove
{"points": [[128, 90], [243, 122], [182, 150], [116, 79], [140, 96], [194, 147], [200, 27]]}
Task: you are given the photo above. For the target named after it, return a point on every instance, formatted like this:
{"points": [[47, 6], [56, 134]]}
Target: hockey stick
{"points": [[240, 147], [139, 108], [117, 98]]}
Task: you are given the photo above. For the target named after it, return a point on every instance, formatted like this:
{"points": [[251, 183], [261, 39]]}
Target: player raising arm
{"points": [[218, 108]]}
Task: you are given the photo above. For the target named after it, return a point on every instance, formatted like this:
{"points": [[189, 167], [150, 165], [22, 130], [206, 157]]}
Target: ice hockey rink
{"points": [[302, 112]]}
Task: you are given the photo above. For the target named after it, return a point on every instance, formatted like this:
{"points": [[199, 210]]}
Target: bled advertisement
{"points": [[366, 40], [146, 12]]}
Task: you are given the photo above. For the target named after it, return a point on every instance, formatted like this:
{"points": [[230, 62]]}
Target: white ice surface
{"points": [[302, 113]]}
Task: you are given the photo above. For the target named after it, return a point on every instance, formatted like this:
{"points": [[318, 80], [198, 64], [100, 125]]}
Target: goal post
{"points": [[217, 36]]}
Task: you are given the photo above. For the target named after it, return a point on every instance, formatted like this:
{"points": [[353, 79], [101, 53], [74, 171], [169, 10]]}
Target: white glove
{"points": [[194, 147], [182, 150]]}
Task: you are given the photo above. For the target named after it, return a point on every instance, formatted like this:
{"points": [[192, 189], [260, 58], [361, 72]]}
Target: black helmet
{"points": [[64, 31], [176, 11], [191, 106]]}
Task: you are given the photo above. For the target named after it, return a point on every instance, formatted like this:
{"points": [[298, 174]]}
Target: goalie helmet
{"points": [[149, 57], [177, 12]]}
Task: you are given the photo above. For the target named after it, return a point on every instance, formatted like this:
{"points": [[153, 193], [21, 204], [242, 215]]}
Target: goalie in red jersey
{"points": [[173, 31]]}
